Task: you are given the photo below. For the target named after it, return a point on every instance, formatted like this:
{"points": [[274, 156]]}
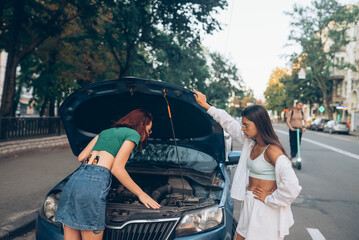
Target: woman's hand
{"points": [[201, 99], [261, 194], [148, 201]]}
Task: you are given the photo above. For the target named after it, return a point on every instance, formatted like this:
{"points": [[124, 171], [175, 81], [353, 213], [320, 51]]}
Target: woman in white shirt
{"points": [[264, 179]]}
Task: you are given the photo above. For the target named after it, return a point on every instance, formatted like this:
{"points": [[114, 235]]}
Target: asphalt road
{"points": [[26, 178], [327, 208]]}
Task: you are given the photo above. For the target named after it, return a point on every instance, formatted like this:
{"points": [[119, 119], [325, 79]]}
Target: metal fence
{"points": [[12, 128]]}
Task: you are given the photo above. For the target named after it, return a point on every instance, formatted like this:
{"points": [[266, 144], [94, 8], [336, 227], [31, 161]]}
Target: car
{"points": [[184, 168], [318, 124], [334, 126], [310, 121]]}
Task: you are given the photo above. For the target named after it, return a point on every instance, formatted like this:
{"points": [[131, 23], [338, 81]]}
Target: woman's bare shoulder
{"points": [[273, 152]]}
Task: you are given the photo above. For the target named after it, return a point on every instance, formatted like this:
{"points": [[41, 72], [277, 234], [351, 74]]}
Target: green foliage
{"points": [[149, 39], [321, 31], [225, 81], [275, 97], [129, 27], [25, 25]]}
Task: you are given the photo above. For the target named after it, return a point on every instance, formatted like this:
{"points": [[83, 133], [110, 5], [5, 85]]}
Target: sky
{"points": [[254, 36]]}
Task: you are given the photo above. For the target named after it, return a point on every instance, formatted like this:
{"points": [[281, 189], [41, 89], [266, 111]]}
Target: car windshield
{"points": [[165, 155]]}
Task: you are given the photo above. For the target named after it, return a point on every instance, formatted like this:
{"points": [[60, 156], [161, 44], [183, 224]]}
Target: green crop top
{"points": [[111, 140]]}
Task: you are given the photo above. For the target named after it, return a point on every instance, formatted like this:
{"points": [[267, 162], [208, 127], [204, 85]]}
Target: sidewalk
{"points": [[8, 151], [17, 146]]}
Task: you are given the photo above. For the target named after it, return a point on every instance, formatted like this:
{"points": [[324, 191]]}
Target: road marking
{"points": [[325, 146], [315, 234]]}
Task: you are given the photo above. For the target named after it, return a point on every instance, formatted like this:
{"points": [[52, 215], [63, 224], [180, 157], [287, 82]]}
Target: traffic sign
{"points": [[321, 109]]}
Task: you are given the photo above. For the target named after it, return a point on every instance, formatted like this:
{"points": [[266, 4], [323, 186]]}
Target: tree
{"points": [[25, 25], [275, 93], [127, 27], [225, 81], [321, 32], [305, 90]]}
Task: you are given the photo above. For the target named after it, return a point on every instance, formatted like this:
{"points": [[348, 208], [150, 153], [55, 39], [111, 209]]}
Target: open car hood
{"points": [[93, 108]]}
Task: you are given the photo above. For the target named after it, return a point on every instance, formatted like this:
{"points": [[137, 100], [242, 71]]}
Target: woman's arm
{"points": [[119, 171], [87, 150], [288, 187], [228, 123]]}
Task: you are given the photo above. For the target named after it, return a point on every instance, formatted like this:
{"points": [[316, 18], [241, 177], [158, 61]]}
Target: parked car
{"points": [[334, 126], [193, 190], [310, 121], [318, 124]]}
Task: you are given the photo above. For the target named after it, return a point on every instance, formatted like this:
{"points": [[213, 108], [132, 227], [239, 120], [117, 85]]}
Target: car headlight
{"points": [[49, 207], [200, 221]]}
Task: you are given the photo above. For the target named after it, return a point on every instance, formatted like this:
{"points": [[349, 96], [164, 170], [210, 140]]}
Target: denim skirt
{"points": [[82, 203]]}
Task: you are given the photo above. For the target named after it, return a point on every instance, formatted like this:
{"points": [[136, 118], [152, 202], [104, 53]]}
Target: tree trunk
{"points": [[8, 95], [52, 107], [43, 107]]}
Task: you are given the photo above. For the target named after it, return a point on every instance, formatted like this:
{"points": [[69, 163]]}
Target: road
{"points": [[327, 208], [328, 205]]}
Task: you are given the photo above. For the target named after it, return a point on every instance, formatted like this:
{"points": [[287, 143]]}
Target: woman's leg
{"points": [[238, 237], [92, 235], [71, 233]]}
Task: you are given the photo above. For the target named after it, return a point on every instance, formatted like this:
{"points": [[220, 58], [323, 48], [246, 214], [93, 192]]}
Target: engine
{"points": [[168, 191]]}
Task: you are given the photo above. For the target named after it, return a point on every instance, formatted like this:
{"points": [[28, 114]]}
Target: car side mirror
{"points": [[233, 158]]}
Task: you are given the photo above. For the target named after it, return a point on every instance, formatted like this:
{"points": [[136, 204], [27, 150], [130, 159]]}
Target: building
{"points": [[345, 95]]}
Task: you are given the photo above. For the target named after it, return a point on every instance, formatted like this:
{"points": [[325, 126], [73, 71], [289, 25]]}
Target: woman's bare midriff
{"points": [[105, 159], [266, 185]]}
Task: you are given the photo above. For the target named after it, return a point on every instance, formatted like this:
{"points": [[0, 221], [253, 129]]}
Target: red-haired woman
{"points": [[83, 200]]}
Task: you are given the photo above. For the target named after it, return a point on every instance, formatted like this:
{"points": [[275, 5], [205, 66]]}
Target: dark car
{"points": [[334, 126], [188, 177], [318, 124]]}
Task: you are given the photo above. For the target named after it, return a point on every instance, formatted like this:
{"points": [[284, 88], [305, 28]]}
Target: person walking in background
{"points": [[296, 120], [264, 178], [82, 202]]}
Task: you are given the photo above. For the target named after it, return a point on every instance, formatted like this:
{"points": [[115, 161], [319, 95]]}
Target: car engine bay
{"points": [[169, 191]]}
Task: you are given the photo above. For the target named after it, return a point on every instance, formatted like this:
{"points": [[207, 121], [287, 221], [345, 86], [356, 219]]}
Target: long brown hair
{"points": [[137, 120], [259, 116]]}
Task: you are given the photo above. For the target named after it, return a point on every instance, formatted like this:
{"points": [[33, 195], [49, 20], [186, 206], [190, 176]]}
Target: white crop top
{"points": [[260, 168]]}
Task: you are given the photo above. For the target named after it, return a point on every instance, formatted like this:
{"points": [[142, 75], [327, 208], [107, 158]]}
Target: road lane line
{"points": [[325, 146], [315, 234]]}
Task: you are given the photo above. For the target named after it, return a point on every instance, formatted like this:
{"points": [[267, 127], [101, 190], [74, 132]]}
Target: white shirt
{"points": [[288, 187]]}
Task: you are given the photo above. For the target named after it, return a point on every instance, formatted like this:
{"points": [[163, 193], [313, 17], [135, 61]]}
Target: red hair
{"points": [[137, 120]]}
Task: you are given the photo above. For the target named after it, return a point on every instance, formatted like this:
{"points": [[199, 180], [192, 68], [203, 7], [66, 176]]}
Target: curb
{"points": [[19, 227], [12, 147]]}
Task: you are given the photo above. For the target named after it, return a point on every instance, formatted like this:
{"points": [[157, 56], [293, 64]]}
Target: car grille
{"points": [[159, 229]]}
